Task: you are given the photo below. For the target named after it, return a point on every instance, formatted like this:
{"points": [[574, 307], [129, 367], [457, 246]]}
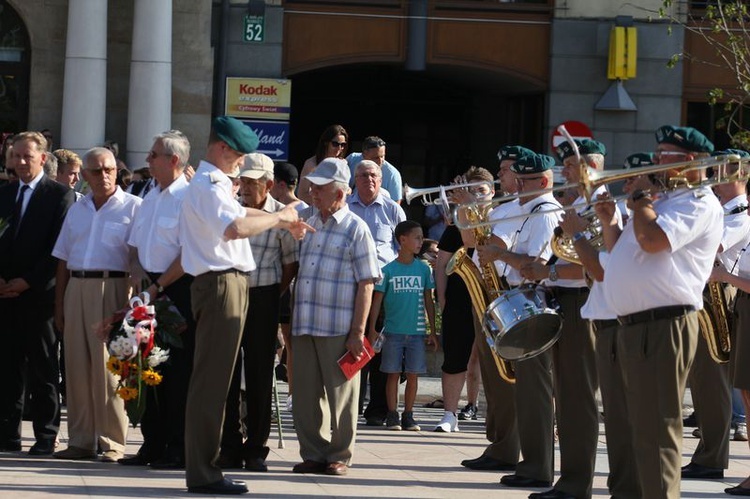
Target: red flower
{"points": [[140, 313]]}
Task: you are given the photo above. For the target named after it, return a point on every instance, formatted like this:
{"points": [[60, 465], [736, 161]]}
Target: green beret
{"points": [[639, 159], [536, 163], [585, 146], [736, 152], [513, 152], [687, 138], [239, 137]]}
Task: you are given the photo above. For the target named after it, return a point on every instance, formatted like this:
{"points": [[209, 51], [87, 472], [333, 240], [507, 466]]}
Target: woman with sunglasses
{"points": [[333, 143]]}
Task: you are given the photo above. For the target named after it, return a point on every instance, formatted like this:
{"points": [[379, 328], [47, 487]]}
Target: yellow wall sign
{"points": [[260, 98]]}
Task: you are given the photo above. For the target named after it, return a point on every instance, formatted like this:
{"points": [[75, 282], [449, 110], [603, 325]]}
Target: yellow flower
{"points": [[126, 393], [114, 365], [151, 377]]}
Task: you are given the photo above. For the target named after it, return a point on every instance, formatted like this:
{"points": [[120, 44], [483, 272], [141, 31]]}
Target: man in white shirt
{"points": [[156, 240], [92, 283]]}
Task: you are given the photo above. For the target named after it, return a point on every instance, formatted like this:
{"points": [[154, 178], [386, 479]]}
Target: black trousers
{"points": [[257, 353], [377, 407], [163, 423], [28, 336]]}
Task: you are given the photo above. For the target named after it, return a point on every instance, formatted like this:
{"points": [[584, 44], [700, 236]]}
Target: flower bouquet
{"points": [[138, 345]]}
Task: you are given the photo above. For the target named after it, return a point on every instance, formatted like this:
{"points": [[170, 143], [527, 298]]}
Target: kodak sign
{"points": [[258, 98]]}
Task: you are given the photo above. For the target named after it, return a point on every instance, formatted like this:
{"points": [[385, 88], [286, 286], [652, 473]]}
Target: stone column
{"points": [[85, 83], [150, 97]]}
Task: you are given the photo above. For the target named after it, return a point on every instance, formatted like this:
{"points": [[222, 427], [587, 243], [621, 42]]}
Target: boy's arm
{"points": [[429, 306], [377, 300]]}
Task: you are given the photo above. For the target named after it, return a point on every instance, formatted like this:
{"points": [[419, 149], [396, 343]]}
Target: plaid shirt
{"points": [[271, 249], [340, 254]]}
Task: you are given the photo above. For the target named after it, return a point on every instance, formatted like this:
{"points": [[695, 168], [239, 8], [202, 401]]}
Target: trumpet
{"points": [[428, 193], [679, 175]]}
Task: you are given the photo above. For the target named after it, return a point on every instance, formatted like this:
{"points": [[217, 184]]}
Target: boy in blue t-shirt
{"points": [[406, 293]]}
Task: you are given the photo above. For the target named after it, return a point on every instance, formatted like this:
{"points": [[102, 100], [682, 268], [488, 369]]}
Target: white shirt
{"points": [[635, 281], [534, 233], [92, 239], [155, 231], [27, 195], [596, 306], [207, 210], [736, 233], [507, 223]]}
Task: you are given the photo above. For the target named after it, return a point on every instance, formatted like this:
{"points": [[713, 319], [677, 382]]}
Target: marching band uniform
{"points": [[655, 296]]}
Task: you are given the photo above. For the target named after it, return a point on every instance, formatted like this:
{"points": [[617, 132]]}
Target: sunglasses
{"points": [[335, 143]]}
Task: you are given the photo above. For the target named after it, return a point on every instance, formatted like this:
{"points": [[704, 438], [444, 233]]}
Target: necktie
{"points": [[18, 209]]}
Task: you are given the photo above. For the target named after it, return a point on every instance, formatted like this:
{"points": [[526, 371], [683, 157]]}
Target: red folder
{"points": [[350, 366]]}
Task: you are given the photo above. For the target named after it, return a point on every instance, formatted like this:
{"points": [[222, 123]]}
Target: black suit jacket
{"points": [[29, 254]]}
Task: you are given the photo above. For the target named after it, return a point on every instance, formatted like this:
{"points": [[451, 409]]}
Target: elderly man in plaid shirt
{"points": [[275, 252], [337, 270]]}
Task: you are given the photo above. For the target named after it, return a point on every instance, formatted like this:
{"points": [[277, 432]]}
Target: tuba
{"points": [[483, 286], [713, 320]]}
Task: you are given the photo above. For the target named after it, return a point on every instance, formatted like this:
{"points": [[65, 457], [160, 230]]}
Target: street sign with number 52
{"points": [[254, 29]]}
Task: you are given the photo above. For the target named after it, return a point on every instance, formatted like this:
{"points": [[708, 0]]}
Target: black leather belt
{"points": [[601, 324], [571, 291], [97, 274], [655, 314]]}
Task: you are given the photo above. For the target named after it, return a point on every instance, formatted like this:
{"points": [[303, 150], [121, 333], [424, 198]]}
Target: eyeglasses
{"points": [[153, 154], [335, 143], [101, 171], [368, 175]]}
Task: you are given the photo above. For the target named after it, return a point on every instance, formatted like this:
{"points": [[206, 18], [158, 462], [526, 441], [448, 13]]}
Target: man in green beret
{"points": [[214, 229], [517, 245], [657, 269]]}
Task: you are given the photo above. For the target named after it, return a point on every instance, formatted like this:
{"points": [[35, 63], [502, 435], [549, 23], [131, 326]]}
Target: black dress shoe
{"points": [[137, 460], [42, 448], [10, 446], [737, 491], [486, 463], [522, 481], [256, 464], [224, 486], [168, 463], [551, 494], [693, 470]]}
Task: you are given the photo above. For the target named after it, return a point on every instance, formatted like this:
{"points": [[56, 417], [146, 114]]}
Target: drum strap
{"points": [[553, 259]]}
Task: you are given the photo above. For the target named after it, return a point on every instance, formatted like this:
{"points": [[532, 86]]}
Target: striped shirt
{"points": [[271, 249], [333, 260]]}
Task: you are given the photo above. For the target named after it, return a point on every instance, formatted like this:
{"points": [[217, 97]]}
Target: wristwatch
{"points": [[552, 273], [581, 235]]}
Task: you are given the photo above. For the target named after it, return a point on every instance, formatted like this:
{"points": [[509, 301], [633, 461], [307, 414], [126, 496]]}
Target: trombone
{"points": [[679, 175], [427, 193]]}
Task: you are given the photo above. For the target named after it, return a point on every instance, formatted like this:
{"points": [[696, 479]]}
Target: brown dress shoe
{"points": [[309, 467], [337, 469]]}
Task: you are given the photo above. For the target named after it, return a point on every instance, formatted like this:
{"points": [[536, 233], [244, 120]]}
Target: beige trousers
{"points": [[325, 402], [96, 415]]}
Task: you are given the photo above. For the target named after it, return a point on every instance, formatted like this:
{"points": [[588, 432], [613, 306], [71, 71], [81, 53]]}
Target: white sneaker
{"points": [[289, 403], [448, 424]]}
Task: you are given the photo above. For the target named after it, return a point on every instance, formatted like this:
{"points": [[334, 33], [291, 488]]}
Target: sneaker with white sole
{"points": [[392, 421], [448, 424], [408, 423], [740, 433]]}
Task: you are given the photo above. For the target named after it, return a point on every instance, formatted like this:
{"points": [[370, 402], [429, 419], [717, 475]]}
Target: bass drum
{"points": [[523, 321]]}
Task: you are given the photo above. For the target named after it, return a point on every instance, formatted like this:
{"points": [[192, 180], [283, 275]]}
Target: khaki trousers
{"points": [[96, 415], [501, 428], [712, 397], [656, 358], [325, 402], [219, 301], [622, 481], [576, 382]]}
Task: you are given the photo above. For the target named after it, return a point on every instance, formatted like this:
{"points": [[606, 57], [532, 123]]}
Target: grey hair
{"points": [[595, 158], [342, 186], [98, 152], [364, 164], [50, 166], [175, 142]]}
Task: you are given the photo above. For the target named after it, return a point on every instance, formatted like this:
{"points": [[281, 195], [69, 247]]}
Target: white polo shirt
{"points": [[92, 239], [534, 233], [736, 233], [155, 231], [503, 228], [636, 281], [207, 210], [597, 307]]}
